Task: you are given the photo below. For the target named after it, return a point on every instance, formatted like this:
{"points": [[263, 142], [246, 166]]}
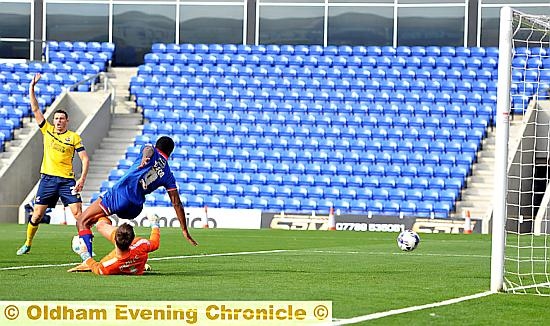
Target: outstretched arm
{"points": [[154, 238], [178, 207], [38, 116]]}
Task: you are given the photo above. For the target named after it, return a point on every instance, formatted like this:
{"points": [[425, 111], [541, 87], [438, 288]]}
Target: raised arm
{"points": [[38, 116], [178, 207]]}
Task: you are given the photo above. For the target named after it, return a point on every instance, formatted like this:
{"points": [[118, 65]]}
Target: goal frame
{"points": [[501, 149], [503, 164]]}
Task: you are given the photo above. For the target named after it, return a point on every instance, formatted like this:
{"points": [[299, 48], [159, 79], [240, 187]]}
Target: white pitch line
{"points": [[394, 253], [410, 309], [35, 266], [159, 258], [224, 254]]}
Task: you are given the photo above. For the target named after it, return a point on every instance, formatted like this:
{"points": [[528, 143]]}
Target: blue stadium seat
{"points": [[398, 194], [424, 209], [413, 195], [404, 51], [375, 206]]}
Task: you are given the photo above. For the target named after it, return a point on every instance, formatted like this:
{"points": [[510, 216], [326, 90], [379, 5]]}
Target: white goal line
{"points": [[409, 309]]}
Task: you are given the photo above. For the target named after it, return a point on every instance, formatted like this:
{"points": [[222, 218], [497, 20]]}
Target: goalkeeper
{"points": [[130, 254]]}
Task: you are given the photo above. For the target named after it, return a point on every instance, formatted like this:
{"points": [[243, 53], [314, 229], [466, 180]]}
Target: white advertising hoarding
{"points": [[217, 217]]}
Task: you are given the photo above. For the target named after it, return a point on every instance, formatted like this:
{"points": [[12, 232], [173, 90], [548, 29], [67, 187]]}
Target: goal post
{"points": [[520, 253], [501, 149]]}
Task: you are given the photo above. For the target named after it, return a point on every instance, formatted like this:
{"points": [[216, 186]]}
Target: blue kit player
{"points": [[149, 172]]}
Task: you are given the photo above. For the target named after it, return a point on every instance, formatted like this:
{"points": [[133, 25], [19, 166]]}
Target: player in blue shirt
{"points": [[149, 172]]}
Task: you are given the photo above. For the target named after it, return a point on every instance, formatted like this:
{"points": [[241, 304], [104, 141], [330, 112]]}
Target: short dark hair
{"points": [[124, 236], [62, 112], [165, 144]]}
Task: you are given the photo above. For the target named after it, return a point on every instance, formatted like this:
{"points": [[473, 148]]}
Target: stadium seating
{"points": [[365, 129], [67, 63]]}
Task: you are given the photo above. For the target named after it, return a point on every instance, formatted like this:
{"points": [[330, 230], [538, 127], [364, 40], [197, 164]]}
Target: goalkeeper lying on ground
{"points": [[130, 254]]}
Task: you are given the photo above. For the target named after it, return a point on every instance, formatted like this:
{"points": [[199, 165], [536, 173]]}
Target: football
{"points": [[408, 240]]}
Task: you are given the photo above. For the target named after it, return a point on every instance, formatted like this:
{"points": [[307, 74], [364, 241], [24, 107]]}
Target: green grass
{"points": [[360, 272]]}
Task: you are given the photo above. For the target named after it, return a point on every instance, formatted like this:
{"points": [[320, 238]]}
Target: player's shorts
{"points": [[52, 188], [115, 203]]}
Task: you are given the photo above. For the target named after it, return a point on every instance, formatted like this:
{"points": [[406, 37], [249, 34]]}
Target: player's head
{"points": [[165, 144], [124, 236], [60, 120]]}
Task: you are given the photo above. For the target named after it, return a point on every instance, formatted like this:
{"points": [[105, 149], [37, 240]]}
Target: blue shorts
{"points": [[115, 203], [51, 188]]}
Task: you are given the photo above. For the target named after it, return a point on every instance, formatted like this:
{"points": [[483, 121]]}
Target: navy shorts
{"points": [[115, 203], [51, 188]]}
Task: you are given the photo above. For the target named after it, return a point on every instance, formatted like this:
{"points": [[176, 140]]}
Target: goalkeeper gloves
{"points": [[153, 220], [80, 248]]}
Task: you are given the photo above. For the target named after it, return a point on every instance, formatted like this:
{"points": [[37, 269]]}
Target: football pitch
{"points": [[365, 275]]}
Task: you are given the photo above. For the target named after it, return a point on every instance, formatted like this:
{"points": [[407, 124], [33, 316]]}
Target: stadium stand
{"points": [[66, 64], [299, 128]]}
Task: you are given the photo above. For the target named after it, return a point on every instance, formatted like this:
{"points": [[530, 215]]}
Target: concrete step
{"points": [[486, 160], [479, 181], [489, 148], [96, 179], [486, 155], [482, 172], [473, 198], [102, 166], [118, 152], [126, 102], [86, 196], [93, 184], [472, 206], [125, 125], [480, 192], [124, 134], [114, 145], [131, 119], [117, 140]]}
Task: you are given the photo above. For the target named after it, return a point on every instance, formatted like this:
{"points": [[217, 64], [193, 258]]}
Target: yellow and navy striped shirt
{"points": [[59, 151]]}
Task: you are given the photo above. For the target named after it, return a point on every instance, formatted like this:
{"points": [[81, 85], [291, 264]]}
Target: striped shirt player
{"points": [[57, 179], [149, 172]]}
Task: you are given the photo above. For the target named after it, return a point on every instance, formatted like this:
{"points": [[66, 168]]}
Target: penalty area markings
{"points": [[410, 309]]}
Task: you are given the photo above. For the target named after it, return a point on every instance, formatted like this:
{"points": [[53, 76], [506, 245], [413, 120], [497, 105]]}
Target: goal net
{"points": [[521, 241]]}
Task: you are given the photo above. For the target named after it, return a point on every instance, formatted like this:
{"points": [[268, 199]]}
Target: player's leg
{"points": [[76, 209], [74, 201], [69, 197], [105, 228], [46, 195], [87, 219], [32, 228]]}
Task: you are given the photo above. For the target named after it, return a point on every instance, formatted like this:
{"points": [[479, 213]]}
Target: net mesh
{"points": [[527, 248]]}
